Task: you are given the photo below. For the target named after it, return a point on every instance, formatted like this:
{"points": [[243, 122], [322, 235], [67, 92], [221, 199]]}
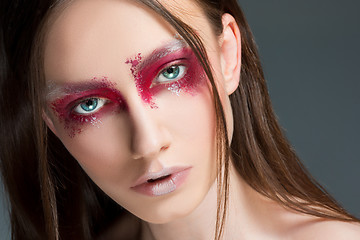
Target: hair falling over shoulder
{"points": [[50, 195]]}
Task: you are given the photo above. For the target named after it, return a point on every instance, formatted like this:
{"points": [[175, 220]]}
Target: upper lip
{"points": [[155, 175]]}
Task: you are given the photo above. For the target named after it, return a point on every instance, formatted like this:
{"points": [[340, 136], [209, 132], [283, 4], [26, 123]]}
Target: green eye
{"points": [[170, 74], [89, 105]]}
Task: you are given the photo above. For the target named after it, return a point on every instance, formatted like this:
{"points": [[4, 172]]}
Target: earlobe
{"points": [[49, 122], [230, 46]]}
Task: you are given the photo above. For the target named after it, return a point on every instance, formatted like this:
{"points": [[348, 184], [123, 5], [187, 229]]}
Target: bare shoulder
{"points": [[288, 224], [327, 230]]}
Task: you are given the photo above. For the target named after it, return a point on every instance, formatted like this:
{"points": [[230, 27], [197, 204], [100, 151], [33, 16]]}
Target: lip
{"points": [[161, 183]]}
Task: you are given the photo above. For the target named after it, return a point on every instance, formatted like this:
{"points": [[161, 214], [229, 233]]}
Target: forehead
{"points": [[94, 37]]}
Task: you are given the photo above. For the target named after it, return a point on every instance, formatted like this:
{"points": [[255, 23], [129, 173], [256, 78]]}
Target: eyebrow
{"points": [[161, 52], [55, 90]]}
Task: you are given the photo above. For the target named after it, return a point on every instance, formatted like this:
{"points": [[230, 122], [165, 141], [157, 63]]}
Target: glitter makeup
{"points": [[89, 92], [173, 67], [146, 71]]}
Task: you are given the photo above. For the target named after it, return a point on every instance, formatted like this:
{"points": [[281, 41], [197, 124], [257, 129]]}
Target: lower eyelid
{"points": [[105, 101], [179, 65]]}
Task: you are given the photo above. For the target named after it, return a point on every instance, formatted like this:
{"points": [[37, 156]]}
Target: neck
{"points": [[243, 206]]}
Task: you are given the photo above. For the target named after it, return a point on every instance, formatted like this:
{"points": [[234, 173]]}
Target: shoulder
{"points": [[327, 230], [299, 226], [289, 224]]}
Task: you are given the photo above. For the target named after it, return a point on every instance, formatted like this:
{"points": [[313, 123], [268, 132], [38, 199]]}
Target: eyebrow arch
{"points": [[54, 90], [161, 52]]}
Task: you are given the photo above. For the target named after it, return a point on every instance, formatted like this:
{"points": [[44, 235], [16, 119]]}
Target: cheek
{"points": [[191, 121], [102, 150]]}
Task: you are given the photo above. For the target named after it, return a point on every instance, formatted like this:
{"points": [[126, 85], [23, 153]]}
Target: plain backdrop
{"points": [[311, 57]]}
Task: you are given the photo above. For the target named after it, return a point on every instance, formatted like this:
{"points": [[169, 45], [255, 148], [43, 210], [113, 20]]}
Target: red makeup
{"points": [[146, 71], [79, 93]]}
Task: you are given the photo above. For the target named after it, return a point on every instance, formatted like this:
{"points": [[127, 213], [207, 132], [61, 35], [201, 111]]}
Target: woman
{"points": [[158, 107]]}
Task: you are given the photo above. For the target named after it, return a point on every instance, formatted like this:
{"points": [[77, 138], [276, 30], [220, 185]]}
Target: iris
{"points": [[89, 105], [171, 72]]}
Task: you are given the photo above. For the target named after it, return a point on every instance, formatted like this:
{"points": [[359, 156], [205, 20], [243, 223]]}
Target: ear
{"points": [[49, 122], [230, 46]]}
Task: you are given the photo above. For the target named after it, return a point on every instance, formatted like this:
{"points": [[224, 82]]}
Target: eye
{"points": [[170, 74], [89, 105]]}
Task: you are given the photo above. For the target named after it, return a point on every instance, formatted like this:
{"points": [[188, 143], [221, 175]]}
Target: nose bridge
{"points": [[147, 138]]}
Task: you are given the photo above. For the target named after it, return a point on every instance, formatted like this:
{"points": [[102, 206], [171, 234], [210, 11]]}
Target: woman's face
{"points": [[129, 100]]}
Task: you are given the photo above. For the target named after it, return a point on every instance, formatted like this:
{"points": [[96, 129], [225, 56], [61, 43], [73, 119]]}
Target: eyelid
{"points": [[182, 72], [103, 101], [177, 62], [72, 105], [159, 65]]}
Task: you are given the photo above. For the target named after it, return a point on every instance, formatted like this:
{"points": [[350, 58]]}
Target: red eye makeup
{"points": [[87, 103], [174, 68]]}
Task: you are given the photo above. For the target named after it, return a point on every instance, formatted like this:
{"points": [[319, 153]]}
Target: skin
{"points": [[95, 39], [128, 144]]}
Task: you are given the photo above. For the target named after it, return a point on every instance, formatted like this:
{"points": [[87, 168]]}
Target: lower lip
{"points": [[163, 186]]}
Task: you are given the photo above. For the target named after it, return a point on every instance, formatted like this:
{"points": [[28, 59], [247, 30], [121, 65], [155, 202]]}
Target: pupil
{"points": [[89, 102], [89, 105], [172, 72]]}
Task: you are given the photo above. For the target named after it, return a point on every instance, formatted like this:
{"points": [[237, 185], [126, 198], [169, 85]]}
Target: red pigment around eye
{"points": [[194, 76], [141, 86], [146, 71], [75, 94]]}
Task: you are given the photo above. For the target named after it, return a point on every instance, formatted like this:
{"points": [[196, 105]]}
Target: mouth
{"points": [[161, 183], [158, 179]]}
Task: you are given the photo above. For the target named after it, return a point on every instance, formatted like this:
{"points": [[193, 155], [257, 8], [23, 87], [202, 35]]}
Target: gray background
{"points": [[311, 56]]}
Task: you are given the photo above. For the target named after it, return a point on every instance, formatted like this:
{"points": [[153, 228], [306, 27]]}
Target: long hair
{"points": [[51, 197]]}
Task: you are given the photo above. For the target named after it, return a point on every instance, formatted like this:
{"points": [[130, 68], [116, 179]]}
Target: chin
{"points": [[168, 210], [189, 199], [163, 215], [164, 218]]}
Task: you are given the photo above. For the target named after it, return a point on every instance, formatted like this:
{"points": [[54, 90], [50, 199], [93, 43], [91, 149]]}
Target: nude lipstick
{"points": [[161, 183]]}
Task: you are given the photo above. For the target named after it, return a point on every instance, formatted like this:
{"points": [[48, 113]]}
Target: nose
{"points": [[149, 136]]}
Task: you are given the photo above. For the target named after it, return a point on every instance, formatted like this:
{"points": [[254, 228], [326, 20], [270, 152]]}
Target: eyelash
{"points": [[182, 72], [79, 113], [100, 102], [179, 63]]}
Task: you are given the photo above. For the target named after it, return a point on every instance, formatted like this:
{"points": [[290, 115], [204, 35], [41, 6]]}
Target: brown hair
{"points": [[51, 197]]}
